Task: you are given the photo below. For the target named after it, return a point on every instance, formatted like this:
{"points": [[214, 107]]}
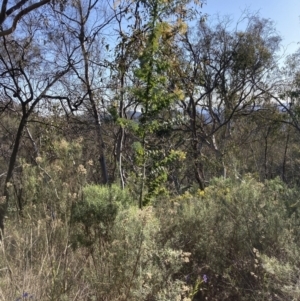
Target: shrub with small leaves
{"points": [[241, 235], [93, 216]]}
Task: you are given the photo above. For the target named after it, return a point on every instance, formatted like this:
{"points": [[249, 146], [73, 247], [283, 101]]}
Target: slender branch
{"points": [[15, 7], [18, 17]]}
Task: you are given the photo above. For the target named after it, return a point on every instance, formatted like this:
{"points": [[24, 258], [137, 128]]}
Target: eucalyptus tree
{"points": [[286, 90], [219, 71], [29, 73], [88, 27]]}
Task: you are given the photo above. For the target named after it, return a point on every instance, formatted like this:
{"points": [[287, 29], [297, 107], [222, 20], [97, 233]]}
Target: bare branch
{"points": [[17, 18], [3, 11]]}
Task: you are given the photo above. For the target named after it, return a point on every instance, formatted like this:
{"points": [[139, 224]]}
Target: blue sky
{"points": [[284, 13]]}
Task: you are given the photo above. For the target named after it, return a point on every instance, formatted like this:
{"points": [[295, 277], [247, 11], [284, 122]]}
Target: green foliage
{"points": [[153, 94], [49, 187], [159, 173], [113, 111], [226, 228], [236, 240], [94, 214], [139, 269]]}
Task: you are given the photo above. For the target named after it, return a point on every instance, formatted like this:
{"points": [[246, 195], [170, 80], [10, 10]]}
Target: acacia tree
{"points": [[219, 73], [152, 93]]}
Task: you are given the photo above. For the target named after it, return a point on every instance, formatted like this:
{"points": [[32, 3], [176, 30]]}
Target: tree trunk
{"points": [[87, 82], [11, 166]]}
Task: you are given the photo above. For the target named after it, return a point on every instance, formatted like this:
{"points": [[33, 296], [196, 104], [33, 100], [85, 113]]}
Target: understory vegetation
{"points": [[234, 240]]}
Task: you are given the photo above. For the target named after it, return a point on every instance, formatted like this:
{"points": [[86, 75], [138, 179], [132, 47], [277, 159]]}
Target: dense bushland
{"points": [[147, 153], [236, 240]]}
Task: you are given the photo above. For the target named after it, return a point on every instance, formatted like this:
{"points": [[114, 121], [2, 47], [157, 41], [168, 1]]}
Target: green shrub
{"points": [[236, 240], [93, 216], [225, 228], [133, 266]]}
